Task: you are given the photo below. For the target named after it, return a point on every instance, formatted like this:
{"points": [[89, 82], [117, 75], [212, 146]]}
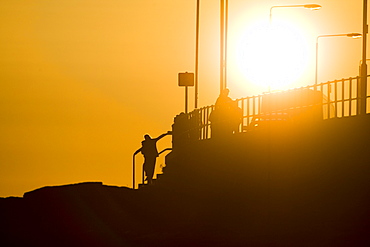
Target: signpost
{"points": [[186, 80]]}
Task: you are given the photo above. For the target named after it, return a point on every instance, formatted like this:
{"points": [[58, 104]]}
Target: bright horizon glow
{"points": [[83, 81], [273, 56]]}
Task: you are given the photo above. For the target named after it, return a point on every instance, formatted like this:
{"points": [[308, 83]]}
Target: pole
{"points": [[222, 39], [133, 171], [270, 16], [317, 60], [186, 99], [363, 86], [196, 56], [226, 29]]}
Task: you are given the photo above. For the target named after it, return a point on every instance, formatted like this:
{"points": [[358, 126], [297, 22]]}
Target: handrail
{"points": [[133, 170], [164, 150]]}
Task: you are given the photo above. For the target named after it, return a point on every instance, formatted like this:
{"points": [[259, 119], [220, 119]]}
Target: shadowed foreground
{"points": [[282, 185]]}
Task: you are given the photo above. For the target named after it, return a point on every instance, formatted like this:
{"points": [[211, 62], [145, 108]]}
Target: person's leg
{"points": [[150, 169]]}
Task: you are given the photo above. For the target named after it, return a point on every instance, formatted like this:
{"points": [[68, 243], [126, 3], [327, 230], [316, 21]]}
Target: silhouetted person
{"points": [[223, 100], [194, 122], [226, 117], [150, 153], [186, 128], [180, 129]]}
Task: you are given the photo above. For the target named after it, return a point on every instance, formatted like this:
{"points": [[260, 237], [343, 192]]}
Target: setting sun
{"points": [[273, 56]]}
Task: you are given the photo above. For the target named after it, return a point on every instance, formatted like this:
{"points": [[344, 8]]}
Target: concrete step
{"points": [[154, 181]]}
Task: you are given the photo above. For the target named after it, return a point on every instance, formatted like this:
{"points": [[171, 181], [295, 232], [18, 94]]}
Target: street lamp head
{"points": [[312, 6], [349, 35], [354, 35]]}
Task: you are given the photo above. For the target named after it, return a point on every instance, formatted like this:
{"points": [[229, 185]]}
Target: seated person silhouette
{"points": [[224, 100], [226, 117], [150, 153]]}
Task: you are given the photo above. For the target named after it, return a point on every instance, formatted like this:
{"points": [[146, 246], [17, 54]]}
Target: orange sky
{"points": [[82, 81]]}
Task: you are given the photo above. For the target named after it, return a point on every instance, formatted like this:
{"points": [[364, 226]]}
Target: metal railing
{"points": [[332, 99]]}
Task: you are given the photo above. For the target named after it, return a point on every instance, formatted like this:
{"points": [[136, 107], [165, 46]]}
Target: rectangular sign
{"points": [[186, 79]]}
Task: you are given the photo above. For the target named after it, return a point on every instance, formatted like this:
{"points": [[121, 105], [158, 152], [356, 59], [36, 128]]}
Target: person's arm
{"points": [[137, 151], [163, 135]]}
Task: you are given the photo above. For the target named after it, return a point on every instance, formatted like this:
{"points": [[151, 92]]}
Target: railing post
{"points": [[358, 96], [336, 98], [343, 97], [363, 92], [350, 98], [133, 171]]}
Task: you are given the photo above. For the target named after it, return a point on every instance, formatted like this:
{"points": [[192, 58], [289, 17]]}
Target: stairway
{"points": [[154, 181]]}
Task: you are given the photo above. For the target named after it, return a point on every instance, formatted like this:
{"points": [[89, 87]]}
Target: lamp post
{"points": [[196, 55], [223, 42], [310, 6], [350, 35], [363, 71]]}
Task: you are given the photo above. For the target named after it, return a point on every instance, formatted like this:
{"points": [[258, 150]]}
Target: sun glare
{"points": [[273, 56]]}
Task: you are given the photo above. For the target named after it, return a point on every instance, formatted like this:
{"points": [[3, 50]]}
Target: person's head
{"points": [[147, 137], [225, 92]]}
